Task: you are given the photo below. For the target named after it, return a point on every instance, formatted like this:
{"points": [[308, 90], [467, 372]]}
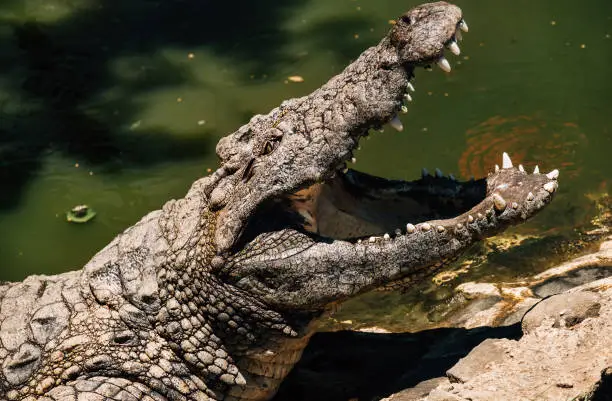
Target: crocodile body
{"points": [[215, 296]]}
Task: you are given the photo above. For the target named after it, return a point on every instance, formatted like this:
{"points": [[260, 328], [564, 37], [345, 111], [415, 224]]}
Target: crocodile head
{"points": [[283, 187]]}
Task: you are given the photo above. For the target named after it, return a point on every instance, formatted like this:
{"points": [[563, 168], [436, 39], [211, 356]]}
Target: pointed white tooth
{"points": [[345, 170], [409, 86], [458, 36], [553, 175], [459, 226], [536, 170], [387, 236], [441, 229], [424, 172], [426, 226], [353, 160], [439, 173], [454, 48], [521, 168], [550, 186], [410, 228], [530, 196], [499, 203], [515, 205], [496, 168], [506, 161], [404, 109], [396, 123], [463, 26], [444, 64], [452, 177], [470, 218], [407, 97]]}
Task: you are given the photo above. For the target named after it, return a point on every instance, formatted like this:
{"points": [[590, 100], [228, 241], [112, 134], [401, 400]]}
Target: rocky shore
{"points": [[546, 338]]}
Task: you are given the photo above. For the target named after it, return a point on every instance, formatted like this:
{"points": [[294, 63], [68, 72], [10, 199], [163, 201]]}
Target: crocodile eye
{"points": [[269, 147]]}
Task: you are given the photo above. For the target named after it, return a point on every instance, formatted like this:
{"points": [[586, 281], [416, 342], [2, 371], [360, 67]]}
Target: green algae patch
{"points": [[80, 214]]}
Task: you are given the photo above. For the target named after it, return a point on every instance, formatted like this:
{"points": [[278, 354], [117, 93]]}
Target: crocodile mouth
{"points": [[354, 206]]}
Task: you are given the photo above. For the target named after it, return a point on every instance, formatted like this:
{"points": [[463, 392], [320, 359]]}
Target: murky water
{"points": [[119, 104]]}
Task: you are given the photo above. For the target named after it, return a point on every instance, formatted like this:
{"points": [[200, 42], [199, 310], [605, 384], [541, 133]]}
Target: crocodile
{"points": [[215, 296]]}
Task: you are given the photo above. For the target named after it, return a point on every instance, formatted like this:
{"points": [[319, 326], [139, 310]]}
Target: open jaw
{"points": [[300, 230]]}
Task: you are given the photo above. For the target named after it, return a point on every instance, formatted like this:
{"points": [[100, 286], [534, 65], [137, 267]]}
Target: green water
{"points": [[119, 104]]}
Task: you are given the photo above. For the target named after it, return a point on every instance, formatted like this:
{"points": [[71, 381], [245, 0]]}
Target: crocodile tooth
{"points": [[404, 109], [458, 36], [479, 216], [396, 123], [454, 48], [459, 226], [463, 26], [470, 218], [439, 173], [553, 175], [353, 160], [426, 226], [506, 161], [550, 186], [444, 64], [499, 202], [424, 172], [345, 170], [409, 86], [398, 231], [521, 168], [530, 196], [372, 239], [496, 168], [407, 97], [452, 177], [441, 229], [536, 170], [387, 236], [514, 205], [410, 228]]}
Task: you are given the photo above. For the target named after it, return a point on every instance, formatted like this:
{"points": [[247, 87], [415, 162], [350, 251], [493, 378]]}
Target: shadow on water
{"points": [[367, 366], [59, 67]]}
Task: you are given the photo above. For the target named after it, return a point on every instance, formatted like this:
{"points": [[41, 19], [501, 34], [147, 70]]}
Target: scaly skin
{"points": [[216, 295]]}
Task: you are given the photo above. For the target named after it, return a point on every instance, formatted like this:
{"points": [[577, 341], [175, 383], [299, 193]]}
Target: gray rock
{"points": [[477, 361], [562, 310]]}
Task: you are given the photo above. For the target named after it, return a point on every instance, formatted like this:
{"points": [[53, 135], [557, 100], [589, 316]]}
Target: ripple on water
{"points": [[530, 140]]}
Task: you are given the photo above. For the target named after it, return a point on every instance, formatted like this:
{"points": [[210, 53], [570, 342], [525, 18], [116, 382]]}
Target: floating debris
{"points": [[80, 214], [190, 56], [295, 78]]}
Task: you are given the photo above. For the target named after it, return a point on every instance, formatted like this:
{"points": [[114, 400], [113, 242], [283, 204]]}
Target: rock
{"points": [[478, 290], [477, 361], [420, 390], [561, 356], [562, 310], [441, 395]]}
